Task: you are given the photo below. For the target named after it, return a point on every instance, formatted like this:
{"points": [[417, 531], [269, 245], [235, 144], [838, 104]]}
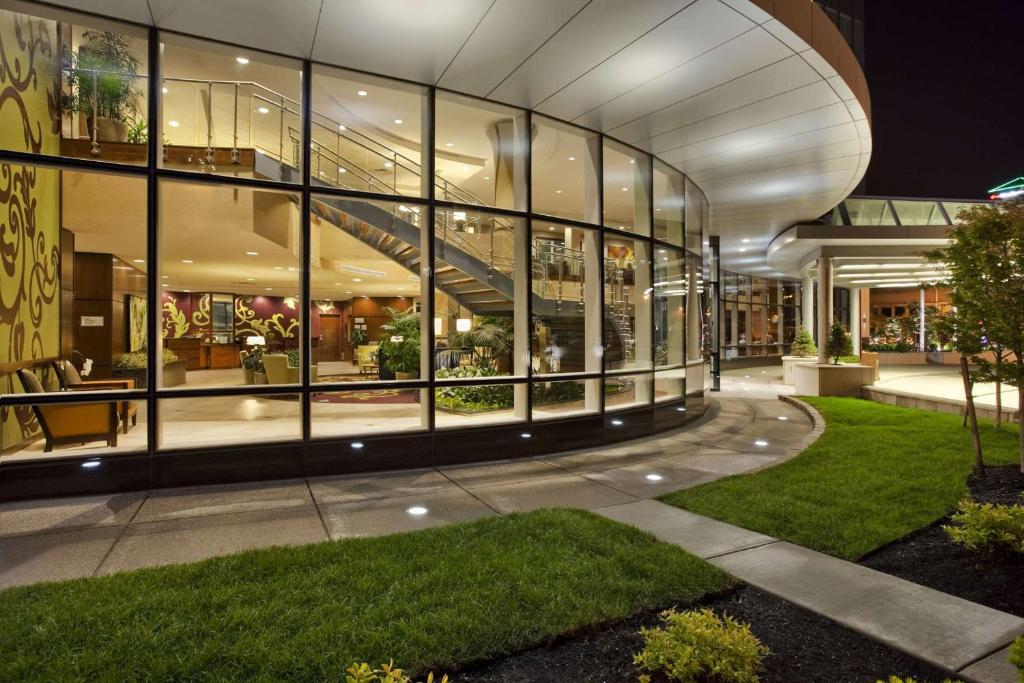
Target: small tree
{"points": [[985, 260], [838, 343], [803, 344]]}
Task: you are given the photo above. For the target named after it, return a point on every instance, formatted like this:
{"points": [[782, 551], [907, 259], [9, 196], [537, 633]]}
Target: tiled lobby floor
{"points": [[59, 539]]}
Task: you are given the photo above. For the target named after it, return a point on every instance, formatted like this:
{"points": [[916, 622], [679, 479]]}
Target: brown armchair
{"points": [[70, 380], [71, 423]]}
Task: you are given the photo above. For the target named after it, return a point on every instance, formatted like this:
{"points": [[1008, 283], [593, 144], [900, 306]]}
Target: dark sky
{"points": [[947, 96]]}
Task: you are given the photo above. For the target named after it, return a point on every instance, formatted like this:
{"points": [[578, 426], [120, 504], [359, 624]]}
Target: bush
{"points": [[803, 344], [474, 398], [136, 360], [557, 392], [838, 343], [849, 360], [701, 646], [980, 526], [387, 673], [1017, 657]]}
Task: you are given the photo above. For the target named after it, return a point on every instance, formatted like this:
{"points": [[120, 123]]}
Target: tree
{"points": [[985, 261], [838, 343], [803, 344], [965, 334]]}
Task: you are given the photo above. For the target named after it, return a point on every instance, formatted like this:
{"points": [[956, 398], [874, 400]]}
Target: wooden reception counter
{"points": [[201, 355]]}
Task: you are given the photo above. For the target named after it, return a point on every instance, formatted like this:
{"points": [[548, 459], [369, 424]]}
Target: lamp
{"points": [[256, 340], [463, 324]]}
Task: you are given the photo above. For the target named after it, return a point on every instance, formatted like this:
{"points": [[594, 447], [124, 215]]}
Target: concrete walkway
{"points": [[47, 540], [965, 638]]}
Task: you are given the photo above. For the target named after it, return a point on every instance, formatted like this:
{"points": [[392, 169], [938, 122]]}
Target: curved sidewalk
{"points": [[48, 540]]}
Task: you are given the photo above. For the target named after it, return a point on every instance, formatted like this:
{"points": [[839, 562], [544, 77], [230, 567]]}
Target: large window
{"points": [[760, 315], [286, 269]]}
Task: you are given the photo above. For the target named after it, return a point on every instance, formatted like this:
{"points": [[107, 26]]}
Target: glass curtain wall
{"points": [[760, 316], [277, 264]]}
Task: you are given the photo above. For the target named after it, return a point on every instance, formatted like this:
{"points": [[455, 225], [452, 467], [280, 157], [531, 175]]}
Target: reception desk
{"points": [[187, 351], [220, 356]]}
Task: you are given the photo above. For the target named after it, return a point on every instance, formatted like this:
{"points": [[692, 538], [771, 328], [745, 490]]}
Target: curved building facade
{"points": [[391, 236]]}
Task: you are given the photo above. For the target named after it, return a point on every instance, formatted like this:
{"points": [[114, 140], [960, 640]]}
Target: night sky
{"points": [[947, 96]]}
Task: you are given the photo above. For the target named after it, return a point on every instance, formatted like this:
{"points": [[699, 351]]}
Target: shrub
{"points": [[387, 673], [849, 360], [1017, 657], [803, 344], [701, 646], [557, 392], [474, 398], [838, 342], [136, 360], [987, 526]]}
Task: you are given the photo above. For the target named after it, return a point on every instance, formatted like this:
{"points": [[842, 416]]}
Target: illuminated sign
{"points": [[1008, 189]]}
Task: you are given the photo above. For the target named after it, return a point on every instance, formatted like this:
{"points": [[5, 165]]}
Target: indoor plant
{"points": [[101, 78], [400, 345], [253, 365], [359, 338]]}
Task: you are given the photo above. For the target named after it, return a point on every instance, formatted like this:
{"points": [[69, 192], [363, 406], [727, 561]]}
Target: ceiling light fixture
{"points": [[449, 144], [242, 60], [269, 289], [252, 253], [341, 127], [357, 279], [361, 93], [164, 90], [187, 260], [173, 124], [572, 158], [263, 110], [138, 260]]}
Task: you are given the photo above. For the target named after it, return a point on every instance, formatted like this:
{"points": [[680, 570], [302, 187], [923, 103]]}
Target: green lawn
{"points": [[440, 597], [877, 473]]}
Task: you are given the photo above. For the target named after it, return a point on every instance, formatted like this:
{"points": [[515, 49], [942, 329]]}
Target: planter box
{"points": [[953, 357], [174, 375], [832, 380], [790, 362], [902, 358]]}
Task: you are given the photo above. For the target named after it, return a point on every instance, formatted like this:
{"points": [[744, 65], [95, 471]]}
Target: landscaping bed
{"points": [[931, 559], [804, 647]]}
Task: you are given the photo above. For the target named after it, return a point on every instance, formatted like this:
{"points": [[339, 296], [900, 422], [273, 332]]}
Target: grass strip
{"points": [[877, 473], [440, 598]]}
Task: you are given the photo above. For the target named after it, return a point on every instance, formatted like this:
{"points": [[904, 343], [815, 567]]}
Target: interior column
{"points": [[921, 341], [592, 285], [824, 305]]}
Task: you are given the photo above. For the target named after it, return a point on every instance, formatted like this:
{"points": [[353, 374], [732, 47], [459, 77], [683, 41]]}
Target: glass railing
{"points": [[881, 211]]}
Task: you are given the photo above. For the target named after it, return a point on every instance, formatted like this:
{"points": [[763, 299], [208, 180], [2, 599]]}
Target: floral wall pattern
{"points": [[29, 200]]}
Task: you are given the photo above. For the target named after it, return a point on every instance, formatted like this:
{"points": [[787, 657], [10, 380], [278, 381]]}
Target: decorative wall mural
{"points": [[136, 323], [250, 320], [175, 324], [201, 314], [29, 223]]}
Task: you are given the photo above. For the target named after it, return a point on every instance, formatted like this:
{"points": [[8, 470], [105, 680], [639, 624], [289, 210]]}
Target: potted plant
{"points": [[400, 345], [102, 85], [803, 344], [133, 366], [359, 338], [252, 368]]}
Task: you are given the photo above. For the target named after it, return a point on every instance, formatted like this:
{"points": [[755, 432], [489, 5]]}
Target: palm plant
{"points": [[101, 78]]}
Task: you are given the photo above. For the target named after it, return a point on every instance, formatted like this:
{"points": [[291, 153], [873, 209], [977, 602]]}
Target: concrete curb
{"points": [[816, 419]]}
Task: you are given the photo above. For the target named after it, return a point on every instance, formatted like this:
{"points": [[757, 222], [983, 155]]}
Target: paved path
{"points": [[67, 538]]}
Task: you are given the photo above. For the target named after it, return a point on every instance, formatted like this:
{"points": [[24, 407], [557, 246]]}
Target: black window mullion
{"points": [[527, 258], [428, 307], [305, 250], [154, 319]]}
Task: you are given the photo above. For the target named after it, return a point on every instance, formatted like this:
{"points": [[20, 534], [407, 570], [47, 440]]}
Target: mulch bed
{"points": [[804, 647], [929, 558]]}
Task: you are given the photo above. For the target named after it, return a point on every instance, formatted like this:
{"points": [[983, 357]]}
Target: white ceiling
{"points": [[718, 88]]}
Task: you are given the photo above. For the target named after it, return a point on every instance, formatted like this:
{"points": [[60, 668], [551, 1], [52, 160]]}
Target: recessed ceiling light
{"points": [[164, 276], [357, 445], [558, 192], [187, 260], [269, 289], [187, 290], [572, 158], [625, 189], [341, 127], [449, 144], [341, 170], [617, 423], [551, 227], [164, 90], [398, 121], [417, 510], [90, 464], [164, 284], [252, 253], [746, 240], [743, 249], [783, 418], [525, 435], [242, 60], [357, 279], [278, 268], [263, 110], [487, 177], [388, 164], [348, 292], [173, 124], [138, 260], [401, 289], [361, 93]]}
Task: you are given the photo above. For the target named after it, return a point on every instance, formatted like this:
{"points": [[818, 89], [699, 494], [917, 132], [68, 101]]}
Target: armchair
{"points": [[70, 380], [71, 423], [278, 371], [366, 357]]}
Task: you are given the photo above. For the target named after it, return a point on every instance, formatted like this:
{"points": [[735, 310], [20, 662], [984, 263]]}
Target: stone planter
{"points": [[174, 375], [404, 376], [832, 380], [790, 362], [259, 377], [109, 130], [902, 358], [248, 375]]}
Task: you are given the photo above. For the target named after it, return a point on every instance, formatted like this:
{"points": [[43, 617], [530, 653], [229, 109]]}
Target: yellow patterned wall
{"points": [[29, 206]]}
